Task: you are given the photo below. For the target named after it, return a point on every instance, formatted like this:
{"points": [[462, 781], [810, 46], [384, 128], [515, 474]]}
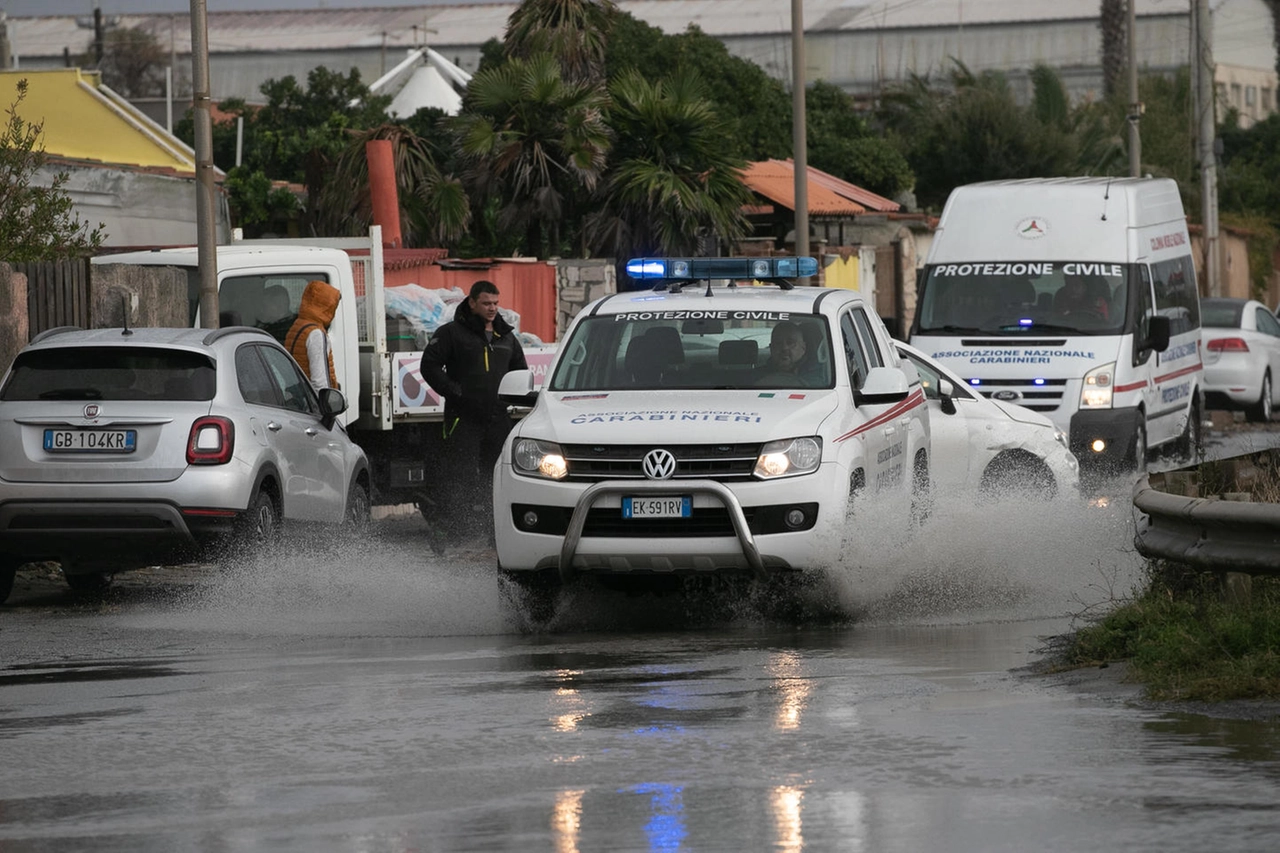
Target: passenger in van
{"points": [[1080, 295], [277, 316]]}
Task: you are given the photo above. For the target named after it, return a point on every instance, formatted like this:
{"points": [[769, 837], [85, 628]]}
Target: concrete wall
{"points": [[13, 315], [152, 296]]}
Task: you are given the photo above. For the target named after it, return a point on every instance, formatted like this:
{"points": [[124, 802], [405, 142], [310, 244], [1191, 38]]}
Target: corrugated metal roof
{"points": [[828, 195], [473, 24]]}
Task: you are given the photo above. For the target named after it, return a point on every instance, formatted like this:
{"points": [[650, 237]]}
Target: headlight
{"points": [[789, 457], [538, 459], [1096, 393]]}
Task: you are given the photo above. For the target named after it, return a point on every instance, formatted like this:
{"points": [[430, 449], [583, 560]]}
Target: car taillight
{"points": [[1227, 345], [211, 442]]}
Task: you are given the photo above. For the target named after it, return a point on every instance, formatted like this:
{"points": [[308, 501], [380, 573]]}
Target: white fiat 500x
{"points": [[708, 426], [120, 448]]}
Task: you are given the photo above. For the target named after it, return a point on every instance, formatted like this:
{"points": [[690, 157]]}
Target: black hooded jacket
{"points": [[463, 367]]}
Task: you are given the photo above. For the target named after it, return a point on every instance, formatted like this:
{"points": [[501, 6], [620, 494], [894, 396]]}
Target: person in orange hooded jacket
{"points": [[308, 338]]}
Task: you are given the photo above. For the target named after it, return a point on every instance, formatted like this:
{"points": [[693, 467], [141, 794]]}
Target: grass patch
{"points": [[1184, 641]]}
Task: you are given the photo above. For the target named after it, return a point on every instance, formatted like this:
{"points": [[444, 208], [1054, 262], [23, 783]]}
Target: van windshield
{"points": [[1024, 298]]}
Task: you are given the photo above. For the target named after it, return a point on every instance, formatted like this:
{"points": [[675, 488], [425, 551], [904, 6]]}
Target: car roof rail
{"points": [[674, 273], [56, 330], [218, 334]]}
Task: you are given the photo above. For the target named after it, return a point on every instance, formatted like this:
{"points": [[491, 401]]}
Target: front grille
{"points": [[590, 462], [1045, 397]]}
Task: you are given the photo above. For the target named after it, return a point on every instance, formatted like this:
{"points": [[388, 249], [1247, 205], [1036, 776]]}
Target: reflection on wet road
{"points": [[384, 700]]}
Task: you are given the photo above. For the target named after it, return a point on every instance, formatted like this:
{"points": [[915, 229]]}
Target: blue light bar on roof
{"points": [[690, 269]]}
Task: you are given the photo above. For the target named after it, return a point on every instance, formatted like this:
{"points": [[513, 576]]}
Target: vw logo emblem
{"points": [[91, 411], [1006, 396], [659, 464]]}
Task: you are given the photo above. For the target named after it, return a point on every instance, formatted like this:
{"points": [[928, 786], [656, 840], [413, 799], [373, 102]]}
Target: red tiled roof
{"points": [[828, 195]]}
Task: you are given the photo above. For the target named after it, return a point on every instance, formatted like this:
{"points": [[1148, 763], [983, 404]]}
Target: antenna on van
{"points": [[1106, 196]]}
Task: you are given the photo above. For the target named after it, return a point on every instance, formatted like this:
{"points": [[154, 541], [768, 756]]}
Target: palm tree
{"points": [[536, 143], [1113, 20], [670, 182], [573, 31]]}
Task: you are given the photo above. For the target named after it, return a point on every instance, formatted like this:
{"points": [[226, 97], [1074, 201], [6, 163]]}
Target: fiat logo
{"points": [[659, 464], [1006, 396], [91, 411]]}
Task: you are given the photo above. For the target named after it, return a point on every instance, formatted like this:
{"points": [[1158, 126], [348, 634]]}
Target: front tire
{"points": [[1140, 450], [537, 593], [1021, 475], [1261, 411]]}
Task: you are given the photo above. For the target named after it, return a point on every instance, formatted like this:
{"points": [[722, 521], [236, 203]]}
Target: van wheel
{"points": [[1261, 411], [1140, 449], [1190, 445]]}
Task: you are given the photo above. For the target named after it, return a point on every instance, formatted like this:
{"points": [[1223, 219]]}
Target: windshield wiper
{"points": [[954, 330]]}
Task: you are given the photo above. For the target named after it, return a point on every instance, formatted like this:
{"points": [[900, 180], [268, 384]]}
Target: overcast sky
{"points": [[31, 8]]}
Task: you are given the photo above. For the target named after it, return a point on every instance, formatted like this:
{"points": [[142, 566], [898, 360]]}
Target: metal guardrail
{"points": [[1211, 533]]}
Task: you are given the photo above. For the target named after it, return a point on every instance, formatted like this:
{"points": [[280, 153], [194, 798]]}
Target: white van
{"points": [[1074, 297]]}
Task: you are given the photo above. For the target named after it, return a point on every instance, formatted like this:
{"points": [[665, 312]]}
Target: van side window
{"points": [[1176, 294], [853, 352]]}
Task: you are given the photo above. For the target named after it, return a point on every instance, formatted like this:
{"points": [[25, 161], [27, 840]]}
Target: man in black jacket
{"points": [[464, 363]]}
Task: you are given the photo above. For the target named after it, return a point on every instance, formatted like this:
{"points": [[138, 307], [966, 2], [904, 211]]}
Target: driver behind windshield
{"points": [[1081, 295]]}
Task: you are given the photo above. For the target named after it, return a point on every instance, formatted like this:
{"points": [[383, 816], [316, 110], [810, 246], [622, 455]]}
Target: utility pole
{"points": [[1206, 115], [1135, 107], [206, 225], [799, 138]]}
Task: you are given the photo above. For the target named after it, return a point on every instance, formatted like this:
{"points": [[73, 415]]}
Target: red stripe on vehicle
{"points": [[916, 399], [1183, 372], [1132, 386]]}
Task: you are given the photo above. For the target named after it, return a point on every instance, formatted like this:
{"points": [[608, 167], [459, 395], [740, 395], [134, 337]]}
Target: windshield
{"points": [[1054, 297], [696, 350]]}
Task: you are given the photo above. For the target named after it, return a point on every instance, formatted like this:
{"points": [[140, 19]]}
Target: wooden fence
{"points": [[57, 293]]}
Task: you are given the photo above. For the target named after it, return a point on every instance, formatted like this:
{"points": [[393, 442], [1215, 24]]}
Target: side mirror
{"points": [[332, 403], [517, 389], [1157, 333], [946, 398], [884, 385]]}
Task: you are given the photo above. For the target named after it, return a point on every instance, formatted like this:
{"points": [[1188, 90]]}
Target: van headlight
{"points": [[1096, 393], [789, 457], [535, 458]]}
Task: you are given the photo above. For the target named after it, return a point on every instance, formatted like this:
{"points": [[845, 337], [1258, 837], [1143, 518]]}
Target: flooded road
{"points": [[373, 697]]}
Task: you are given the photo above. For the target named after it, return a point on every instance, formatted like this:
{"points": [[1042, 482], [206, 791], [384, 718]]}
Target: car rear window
{"points": [[1221, 314], [110, 373]]}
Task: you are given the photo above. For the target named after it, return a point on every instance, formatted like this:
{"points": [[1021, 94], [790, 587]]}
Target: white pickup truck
{"points": [[393, 415]]}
